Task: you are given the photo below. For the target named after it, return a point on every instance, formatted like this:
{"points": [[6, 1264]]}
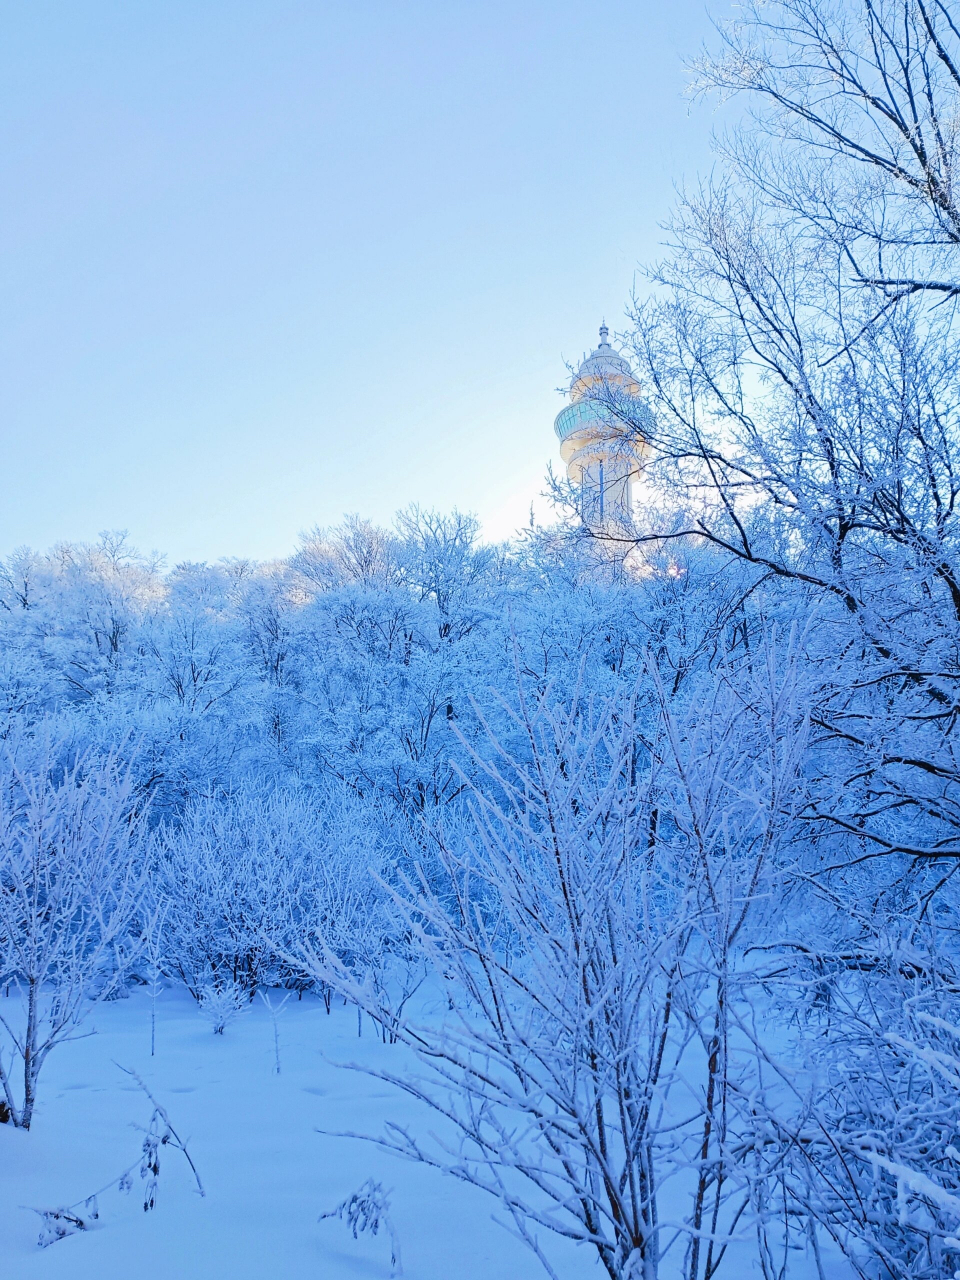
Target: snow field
{"points": [[253, 1135]]}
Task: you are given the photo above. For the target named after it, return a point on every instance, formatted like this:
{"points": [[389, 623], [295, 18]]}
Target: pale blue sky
{"points": [[265, 263]]}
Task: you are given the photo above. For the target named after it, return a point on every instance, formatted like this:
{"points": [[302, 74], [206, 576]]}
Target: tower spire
{"points": [[604, 333]]}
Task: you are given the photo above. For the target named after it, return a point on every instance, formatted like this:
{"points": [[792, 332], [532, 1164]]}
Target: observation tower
{"points": [[603, 456]]}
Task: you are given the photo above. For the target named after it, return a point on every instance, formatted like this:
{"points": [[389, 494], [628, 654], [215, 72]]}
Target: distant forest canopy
{"points": [[365, 656]]}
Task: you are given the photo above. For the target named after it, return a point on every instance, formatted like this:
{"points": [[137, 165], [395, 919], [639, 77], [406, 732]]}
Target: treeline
{"points": [[363, 657]]}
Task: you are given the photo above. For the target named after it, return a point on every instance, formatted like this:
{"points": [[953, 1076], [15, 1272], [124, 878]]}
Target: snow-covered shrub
{"points": [[222, 1003], [871, 1147], [242, 876], [723, 793], [592, 898], [73, 868]]}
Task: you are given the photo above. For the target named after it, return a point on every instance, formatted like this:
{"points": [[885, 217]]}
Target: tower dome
{"points": [[603, 366]]}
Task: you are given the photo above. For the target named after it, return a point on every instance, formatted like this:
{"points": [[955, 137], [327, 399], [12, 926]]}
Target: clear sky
{"points": [[265, 262]]}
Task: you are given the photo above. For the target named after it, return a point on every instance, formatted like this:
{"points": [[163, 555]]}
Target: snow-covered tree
{"points": [[73, 869]]}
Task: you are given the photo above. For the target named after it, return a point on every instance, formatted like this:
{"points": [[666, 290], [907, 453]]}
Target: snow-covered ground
{"points": [[267, 1172]]}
